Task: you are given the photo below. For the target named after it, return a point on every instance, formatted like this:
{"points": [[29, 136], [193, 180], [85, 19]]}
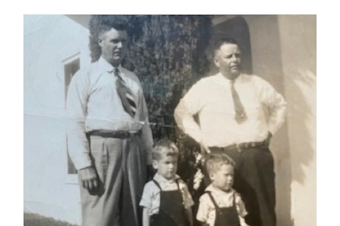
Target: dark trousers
{"points": [[255, 181]]}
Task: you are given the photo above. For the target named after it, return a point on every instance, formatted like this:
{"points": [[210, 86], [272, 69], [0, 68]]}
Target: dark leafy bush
{"points": [[168, 54]]}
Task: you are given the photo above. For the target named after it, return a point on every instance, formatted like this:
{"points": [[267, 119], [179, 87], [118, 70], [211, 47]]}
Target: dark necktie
{"points": [[240, 114], [125, 94]]}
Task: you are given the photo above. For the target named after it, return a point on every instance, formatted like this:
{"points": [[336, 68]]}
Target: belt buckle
{"points": [[122, 134]]}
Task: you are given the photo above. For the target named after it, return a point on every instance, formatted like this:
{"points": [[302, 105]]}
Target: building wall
{"points": [[48, 41], [298, 48]]}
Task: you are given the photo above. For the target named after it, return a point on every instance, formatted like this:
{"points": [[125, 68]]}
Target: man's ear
{"points": [[155, 164], [100, 41], [211, 176], [217, 62]]}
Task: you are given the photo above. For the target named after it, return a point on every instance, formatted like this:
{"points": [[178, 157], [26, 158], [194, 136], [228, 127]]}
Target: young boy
{"points": [[220, 205], [166, 199]]}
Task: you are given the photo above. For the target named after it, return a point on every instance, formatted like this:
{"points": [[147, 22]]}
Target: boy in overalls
{"points": [[166, 200], [221, 205]]}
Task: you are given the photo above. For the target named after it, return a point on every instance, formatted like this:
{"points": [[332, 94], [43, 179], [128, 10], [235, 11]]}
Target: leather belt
{"points": [[245, 145], [113, 134]]}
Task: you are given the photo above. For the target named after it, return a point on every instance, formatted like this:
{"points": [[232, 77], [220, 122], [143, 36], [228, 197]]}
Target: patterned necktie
{"points": [[125, 94], [240, 114]]}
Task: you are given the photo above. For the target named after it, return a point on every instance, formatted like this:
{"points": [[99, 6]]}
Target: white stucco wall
{"points": [[298, 48], [48, 41]]}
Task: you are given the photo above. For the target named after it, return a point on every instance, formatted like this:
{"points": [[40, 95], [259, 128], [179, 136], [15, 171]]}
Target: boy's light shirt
{"points": [[206, 210], [151, 194]]}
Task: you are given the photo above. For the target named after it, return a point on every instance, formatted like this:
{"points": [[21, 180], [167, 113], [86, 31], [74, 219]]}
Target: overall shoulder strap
{"points": [[234, 199], [157, 184], [177, 182], [212, 199]]}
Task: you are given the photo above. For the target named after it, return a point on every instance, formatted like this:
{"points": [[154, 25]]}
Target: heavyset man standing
{"points": [[238, 114]]}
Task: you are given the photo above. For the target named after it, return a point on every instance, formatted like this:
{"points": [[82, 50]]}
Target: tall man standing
{"points": [[238, 114], [109, 135]]}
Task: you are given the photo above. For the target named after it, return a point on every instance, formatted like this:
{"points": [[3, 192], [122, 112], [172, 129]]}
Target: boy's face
{"points": [[223, 178], [166, 166]]}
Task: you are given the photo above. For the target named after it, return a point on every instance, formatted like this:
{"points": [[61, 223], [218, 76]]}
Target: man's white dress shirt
{"points": [[94, 104], [212, 100]]}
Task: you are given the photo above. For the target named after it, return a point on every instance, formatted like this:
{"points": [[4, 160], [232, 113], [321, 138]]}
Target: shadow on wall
{"points": [[302, 125]]}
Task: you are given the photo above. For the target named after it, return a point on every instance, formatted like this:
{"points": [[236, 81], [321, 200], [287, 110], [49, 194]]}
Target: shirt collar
{"points": [[223, 79], [159, 178], [106, 66], [211, 188]]}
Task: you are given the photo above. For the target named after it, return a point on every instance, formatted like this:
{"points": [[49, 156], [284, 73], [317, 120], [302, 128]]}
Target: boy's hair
{"points": [[164, 147], [215, 161]]}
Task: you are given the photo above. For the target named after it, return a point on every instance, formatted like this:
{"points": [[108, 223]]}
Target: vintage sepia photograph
{"points": [[169, 120]]}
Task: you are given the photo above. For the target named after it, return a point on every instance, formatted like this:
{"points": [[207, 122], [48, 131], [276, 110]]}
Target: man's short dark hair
{"points": [[219, 42], [100, 24]]}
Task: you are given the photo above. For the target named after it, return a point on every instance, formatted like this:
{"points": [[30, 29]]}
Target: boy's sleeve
{"points": [[240, 207], [146, 197], [188, 201], [203, 209]]}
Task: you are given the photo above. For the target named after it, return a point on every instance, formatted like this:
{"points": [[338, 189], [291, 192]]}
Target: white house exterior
{"points": [[283, 51], [50, 43]]}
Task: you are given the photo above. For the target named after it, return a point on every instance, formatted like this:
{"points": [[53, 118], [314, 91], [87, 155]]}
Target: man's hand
{"points": [[89, 179], [267, 140], [204, 148]]}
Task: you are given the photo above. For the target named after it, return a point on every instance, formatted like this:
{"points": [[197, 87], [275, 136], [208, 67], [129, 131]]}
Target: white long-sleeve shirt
{"points": [[94, 104], [211, 99]]}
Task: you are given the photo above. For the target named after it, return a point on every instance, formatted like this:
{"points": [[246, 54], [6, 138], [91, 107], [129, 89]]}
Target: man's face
{"points": [[228, 60], [223, 178], [113, 45], [166, 166]]}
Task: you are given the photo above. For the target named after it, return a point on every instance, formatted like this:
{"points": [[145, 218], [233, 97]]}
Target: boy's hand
{"points": [[204, 148]]}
